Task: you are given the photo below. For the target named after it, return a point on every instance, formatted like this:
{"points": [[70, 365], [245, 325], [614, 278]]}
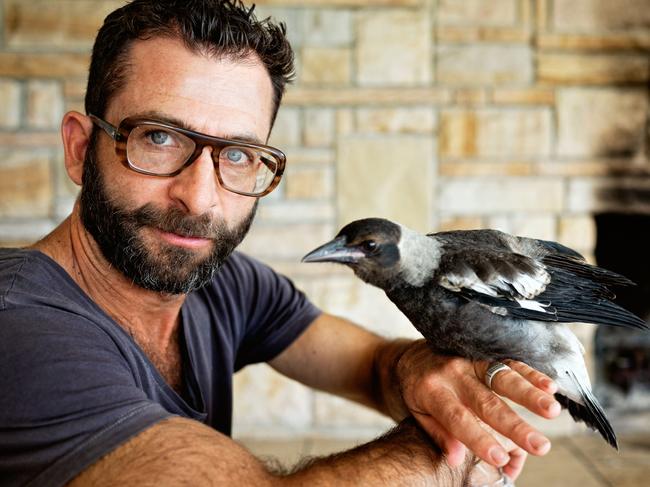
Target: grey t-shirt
{"points": [[74, 385]]}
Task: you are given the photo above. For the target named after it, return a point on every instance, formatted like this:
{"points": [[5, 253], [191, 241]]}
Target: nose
{"points": [[196, 188]]}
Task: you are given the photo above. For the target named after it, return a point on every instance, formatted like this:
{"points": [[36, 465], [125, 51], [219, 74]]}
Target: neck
{"points": [[419, 256], [151, 318]]}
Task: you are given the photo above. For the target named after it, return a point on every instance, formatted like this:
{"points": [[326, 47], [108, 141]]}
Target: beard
{"points": [[171, 269]]}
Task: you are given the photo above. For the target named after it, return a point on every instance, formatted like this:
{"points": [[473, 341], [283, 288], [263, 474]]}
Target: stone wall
{"points": [[510, 114]]}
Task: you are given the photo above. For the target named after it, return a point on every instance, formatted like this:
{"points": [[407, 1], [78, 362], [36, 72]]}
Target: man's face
{"points": [[171, 234]]}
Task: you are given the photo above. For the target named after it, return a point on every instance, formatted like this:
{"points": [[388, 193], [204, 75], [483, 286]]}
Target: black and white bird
{"points": [[488, 295]]}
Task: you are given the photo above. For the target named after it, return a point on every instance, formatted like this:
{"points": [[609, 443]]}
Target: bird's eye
{"points": [[369, 245]]}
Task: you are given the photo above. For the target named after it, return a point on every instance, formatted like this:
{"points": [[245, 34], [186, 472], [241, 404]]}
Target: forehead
{"points": [[216, 95]]}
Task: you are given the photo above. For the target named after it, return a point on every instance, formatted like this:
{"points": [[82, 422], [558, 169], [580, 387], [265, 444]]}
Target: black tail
{"points": [[591, 413]]}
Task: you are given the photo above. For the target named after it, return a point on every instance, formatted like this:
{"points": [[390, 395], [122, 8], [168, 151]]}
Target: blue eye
{"points": [[159, 137], [234, 155]]}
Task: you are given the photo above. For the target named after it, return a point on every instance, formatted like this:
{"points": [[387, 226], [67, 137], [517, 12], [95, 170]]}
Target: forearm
{"points": [[403, 456], [184, 452]]}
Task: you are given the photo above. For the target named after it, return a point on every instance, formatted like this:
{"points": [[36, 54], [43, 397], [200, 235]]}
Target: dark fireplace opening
{"points": [[622, 356]]}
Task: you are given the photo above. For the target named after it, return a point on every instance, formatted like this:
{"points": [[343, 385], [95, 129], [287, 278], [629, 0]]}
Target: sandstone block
{"points": [[396, 120], [466, 35], [480, 168], [534, 226], [44, 104], [308, 156], [287, 242], [589, 195], [10, 98], [593, 69], [474, 196], [342, 294], [595, 15], [448, 223], [484, 64], [64, 24], [326, 65], [577, 231], [477, 12], [332, 411], [344, 121], [25, 187], [279, 394], [600, 122], [393, 48], [309, 183], [74, 89], [296, 212], [282, 12], [327, 27], [523, 96], [495, 133], [64, 187], [635, 40], [470, 96], [286, 131], [318, 128], [43, 64], [30, 139], [391, 177], [17, 233]]}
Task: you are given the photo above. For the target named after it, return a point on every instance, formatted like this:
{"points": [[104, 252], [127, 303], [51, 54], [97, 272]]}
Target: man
{"points": [[120, 331]]}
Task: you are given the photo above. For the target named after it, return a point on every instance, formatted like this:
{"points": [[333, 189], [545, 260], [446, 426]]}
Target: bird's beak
{"points": [[334, 251]]}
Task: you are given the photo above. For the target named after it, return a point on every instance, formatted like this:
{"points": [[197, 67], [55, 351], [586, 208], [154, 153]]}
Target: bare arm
{"points": [[180, 451]]}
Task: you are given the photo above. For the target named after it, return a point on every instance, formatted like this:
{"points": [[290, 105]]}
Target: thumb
{"points": [[453, 450]]}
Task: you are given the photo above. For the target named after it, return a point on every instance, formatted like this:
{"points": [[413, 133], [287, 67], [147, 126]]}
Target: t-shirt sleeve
{"points": [[275, 311], [67, 398]]}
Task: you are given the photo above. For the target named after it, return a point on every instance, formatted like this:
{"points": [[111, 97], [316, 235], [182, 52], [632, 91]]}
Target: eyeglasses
{"points": [[160, 149]]}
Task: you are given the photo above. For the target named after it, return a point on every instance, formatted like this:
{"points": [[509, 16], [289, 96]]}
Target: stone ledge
{"points": [[592, 69], [635, 40], [482, 34], [367, 96]]}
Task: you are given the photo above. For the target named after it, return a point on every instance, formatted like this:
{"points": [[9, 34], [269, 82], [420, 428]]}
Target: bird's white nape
{"points": [[419, 256]]}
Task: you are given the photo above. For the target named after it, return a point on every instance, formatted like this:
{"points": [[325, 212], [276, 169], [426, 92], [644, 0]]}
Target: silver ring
{"points": [[493, 370]]}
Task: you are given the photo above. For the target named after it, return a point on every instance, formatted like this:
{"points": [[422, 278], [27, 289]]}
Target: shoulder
{"points": [[30, 277]]}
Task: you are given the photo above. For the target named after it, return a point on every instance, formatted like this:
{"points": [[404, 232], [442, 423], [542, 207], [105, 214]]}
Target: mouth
{"points": [[185, 241]]}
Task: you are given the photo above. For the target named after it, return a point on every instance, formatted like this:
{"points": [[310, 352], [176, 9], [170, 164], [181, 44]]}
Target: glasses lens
{"points": [[157, 149], [247, 170]]}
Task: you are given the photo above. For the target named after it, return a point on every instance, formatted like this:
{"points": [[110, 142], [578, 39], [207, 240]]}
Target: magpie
{"points": [[488, 295]]}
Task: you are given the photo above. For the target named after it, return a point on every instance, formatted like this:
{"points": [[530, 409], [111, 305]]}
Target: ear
{"points": [[75, 131]]}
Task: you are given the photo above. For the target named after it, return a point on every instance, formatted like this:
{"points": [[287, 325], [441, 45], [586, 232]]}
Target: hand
{"points": [[448, 398]]}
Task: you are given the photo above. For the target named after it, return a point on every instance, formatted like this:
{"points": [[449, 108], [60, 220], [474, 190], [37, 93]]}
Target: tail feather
{"points": [[591, 413]]}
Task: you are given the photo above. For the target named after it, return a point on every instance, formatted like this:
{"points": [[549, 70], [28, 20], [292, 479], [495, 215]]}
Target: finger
{"points": [[461, 423], [492, 410], [453, 449], [516, 464], [518, 388], [535, 377]]}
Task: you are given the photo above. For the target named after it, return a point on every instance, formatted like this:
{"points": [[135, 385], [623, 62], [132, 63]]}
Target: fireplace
{"points": [[622, 356]]}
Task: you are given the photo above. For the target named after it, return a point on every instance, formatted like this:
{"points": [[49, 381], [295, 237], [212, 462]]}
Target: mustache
{"points": [[175, 221]]}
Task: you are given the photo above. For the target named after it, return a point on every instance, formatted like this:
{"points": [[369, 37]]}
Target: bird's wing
{"points": [[499, 279]]}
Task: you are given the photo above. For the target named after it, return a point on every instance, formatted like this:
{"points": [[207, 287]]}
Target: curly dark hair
{"points": [[215, 27]]}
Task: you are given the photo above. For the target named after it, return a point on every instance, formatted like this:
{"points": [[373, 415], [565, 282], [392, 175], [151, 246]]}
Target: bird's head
{"points": [[369, 246]]}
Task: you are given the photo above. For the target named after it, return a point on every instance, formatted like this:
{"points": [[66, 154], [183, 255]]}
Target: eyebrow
{"points": [[161, 117]]}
